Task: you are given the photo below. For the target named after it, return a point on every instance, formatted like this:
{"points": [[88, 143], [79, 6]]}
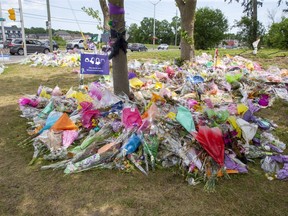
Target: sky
{"points": [[67, 14]]}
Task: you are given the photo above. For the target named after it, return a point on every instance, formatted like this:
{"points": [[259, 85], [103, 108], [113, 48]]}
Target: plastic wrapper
{"points": [[281, 93], [56, 91], [252, 107], [232, 109], [264, 100], [29, 112], [269, 165], [63, 104], [131, 117], [54, 140], [248, 130], [242, 108], [283, 173], [233, 165], [193, 157], [268, 138], [88, 116], [51, 119], [184, 117], [170, 71], [233, 77], [24, 101], [64, 123], [219, 116], [211, 140], [131, 75], [95, 138], [87, 163], [48, 109], [136, 83], [133, 143], [68, 137]]}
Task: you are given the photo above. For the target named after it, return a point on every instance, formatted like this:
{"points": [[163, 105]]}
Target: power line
{"points": [[55, 6], [61, 21], [59, 18]]}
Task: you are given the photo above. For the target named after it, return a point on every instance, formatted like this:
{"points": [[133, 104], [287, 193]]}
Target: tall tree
{"points": [[245, 31], [277, 36], [251, 9], [119, 46], [187, 12], [213, 23], [165, 33], [106, 16], [175, 25], [286, 2], [134, 33]]}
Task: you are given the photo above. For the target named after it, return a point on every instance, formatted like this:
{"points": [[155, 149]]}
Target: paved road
{"points": [[12, 59]]}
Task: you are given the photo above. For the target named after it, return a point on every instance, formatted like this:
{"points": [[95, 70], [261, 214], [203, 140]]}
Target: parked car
{"points": [[163, 46], [138, 47], [75, 44], [129, 45], [47, 43], [16, 46], [7, 41]]}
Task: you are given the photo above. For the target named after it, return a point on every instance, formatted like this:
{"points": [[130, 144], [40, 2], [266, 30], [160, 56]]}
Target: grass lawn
{"points": [[26, 190]]}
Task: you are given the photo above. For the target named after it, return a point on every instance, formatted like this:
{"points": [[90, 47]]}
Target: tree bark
{"points": [[119, 62], [106, 15], [254, 19], [187, 12]]}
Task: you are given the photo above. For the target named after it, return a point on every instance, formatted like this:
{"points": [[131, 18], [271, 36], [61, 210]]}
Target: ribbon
{"points": [[120, 43], [114, 9]]}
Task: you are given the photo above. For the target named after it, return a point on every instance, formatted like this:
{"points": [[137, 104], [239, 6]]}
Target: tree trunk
{"points": [[106, 15], [187, 13], [119, 61], [254, 19]]}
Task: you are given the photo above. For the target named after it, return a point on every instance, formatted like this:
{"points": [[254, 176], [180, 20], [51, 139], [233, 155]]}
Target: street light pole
{"points": [[49, 25], [22, 28], [2, 26], [154, 22]]}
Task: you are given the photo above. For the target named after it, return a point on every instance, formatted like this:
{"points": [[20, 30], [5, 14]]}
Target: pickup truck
{"points": [[77, 43]]}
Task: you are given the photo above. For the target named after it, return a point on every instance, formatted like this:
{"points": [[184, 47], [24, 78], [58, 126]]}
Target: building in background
{"points": [[11, 32]]}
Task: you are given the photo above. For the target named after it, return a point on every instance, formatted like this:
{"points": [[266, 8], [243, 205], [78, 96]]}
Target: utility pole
{"points": [[2, 26], [22, 28], [176, 29], [154, 22], [49, 25]]}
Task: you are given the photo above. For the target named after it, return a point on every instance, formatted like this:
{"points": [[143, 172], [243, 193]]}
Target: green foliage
{"points": [[176, 26], [186, 37], [94, 14], [277, 36], [210, 28], [248, 5], [134, 33], [179, 61], [144, 32], [60, 41], [246, 32], [35, 30]]}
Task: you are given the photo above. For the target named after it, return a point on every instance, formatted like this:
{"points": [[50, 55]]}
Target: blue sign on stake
{"points": [[94, 64]]}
